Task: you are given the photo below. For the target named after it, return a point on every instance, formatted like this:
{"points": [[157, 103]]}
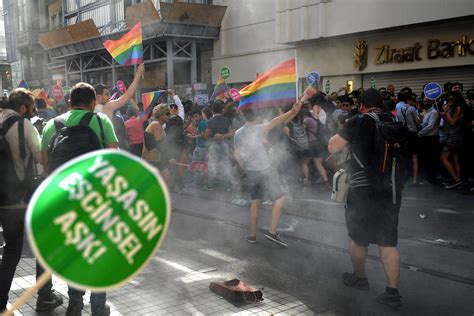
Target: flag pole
{"points": [[297, 78]]}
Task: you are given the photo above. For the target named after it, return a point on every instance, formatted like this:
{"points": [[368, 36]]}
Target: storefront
{"points": [[409, 56]]}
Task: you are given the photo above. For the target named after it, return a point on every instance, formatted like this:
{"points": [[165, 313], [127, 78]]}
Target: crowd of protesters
{"points": [[219, 147]]}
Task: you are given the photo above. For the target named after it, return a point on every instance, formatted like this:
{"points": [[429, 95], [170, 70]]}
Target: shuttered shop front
{"points": [[415, 79]]}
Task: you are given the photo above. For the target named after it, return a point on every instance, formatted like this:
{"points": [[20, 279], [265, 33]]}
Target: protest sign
{"points": [[98, 219], [234, 94]]}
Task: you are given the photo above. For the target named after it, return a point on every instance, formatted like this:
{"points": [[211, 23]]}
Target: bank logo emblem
{"points": [[360, 55]]}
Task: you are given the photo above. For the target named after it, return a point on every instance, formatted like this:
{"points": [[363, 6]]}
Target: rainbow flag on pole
{"points": [[275, 87], [219, 90], [128, 49], [148, 99]]}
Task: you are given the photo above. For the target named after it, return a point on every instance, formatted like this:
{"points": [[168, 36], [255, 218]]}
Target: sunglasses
{"points": [[168, 113]]}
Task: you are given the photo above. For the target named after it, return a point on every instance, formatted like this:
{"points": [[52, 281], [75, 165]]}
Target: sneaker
{"points": [[210, 188], [392, 300], [251, 239], [350, 279], [276, 239], [44, 304], [267, 202], [452, 184], [101, 311]]}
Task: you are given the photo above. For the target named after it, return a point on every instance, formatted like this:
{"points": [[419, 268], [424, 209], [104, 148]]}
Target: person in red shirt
{"points": [[135, 132]]}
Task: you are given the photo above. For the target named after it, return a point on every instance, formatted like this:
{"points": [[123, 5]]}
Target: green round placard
{"points": [[97, 220]]}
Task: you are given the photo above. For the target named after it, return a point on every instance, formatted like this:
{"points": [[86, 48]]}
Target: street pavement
{"points": [[206, 242]]}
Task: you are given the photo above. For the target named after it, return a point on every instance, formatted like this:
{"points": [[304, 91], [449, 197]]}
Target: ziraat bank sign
{"points": [[433, 49]]}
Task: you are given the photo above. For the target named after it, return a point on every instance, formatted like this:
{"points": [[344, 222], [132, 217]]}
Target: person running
{"points": [[251, 155]]}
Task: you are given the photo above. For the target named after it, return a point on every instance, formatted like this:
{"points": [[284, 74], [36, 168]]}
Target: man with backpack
{"points": [[70, 135], [19, 149], [374, 197]]}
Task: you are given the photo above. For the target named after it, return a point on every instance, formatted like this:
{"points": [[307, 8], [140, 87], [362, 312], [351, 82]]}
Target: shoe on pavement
{"points": [[276, 239], [101, 311], [350, 279], [392, 300], [452, 184], [75, 308], [251, 239], [48, 303]]}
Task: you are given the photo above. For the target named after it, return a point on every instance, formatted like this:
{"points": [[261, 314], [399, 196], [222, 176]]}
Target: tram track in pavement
{"points": [[314, 243], [449, 245]]}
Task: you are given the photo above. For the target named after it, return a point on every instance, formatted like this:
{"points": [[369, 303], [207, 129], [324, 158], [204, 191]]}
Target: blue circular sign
{"points": [[432, 91], [313, 77]]}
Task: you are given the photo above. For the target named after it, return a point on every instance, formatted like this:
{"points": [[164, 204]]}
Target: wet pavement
{"points": [[206, 242]]}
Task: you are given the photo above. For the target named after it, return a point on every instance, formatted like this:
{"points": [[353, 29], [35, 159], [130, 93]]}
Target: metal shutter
{"points": [[415, 79]]}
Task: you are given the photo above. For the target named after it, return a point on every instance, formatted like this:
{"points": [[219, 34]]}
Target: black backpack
{"points": [[12, 189], [299, 137], [175, 130], [71, 142], [389, 164]]}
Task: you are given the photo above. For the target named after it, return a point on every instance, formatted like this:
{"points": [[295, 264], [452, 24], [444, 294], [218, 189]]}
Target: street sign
{"points": [[328, 86], [313, 78], [58, 92], [372, 83], [234, 94], [432, 91], [97, 220], [225, 72]]}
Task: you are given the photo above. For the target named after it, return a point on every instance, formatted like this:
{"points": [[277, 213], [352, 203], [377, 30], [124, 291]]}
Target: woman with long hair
{"points": [[454, 116]]}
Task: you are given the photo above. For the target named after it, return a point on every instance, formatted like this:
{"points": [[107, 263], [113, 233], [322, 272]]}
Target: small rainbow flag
{"points": [[275, 87], [219, 90], [128, 49], [148, 99]]}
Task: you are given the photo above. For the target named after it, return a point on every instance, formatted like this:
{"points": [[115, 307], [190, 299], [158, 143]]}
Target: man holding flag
{"points": [[275, 87], [127, 50]]}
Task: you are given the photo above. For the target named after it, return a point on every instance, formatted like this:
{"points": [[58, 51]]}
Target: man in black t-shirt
{"points": [[218, 131], [371, 216]]}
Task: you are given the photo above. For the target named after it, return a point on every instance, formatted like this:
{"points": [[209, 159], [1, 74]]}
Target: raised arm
{"points": [[178, 102], [114, 105], [286, 117]]}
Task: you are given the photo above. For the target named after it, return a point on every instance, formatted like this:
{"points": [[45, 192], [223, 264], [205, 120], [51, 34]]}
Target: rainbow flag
{"points": [[128, 49], [219, 90], [275, 87], [148, 99]]}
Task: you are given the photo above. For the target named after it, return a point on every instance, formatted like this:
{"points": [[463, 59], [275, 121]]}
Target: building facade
{"points": [[24, 20], [50, 40], [177, 41], [361, 43]]}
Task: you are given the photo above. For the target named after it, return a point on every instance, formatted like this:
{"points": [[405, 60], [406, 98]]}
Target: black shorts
{"points": [[413, 143], [264, 182], [371, 217]]}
